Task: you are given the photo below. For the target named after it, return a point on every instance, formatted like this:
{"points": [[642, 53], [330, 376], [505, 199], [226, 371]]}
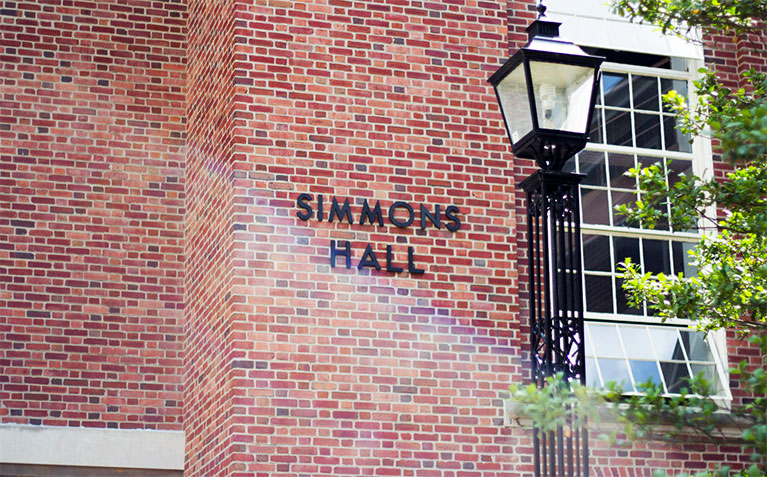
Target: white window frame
{"points": [[702, 166]]}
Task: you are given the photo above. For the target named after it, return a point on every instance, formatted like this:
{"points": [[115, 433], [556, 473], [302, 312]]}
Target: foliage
{"points": [[730, 289], [679, 15], [693, 414], [557, 404]]}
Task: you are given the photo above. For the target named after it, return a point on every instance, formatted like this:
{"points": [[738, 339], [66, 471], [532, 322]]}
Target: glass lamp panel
{"points": [[562, 95], [512, 94]]}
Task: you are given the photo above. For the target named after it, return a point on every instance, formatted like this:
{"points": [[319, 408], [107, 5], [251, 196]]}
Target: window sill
{"points": [[730, 425]]}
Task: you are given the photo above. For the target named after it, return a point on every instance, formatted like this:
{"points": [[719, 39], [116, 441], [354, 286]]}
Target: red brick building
{"points": [[174, 236]]}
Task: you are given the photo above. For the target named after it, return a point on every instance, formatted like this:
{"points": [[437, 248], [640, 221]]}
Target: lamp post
{"points": [[546, 92]]}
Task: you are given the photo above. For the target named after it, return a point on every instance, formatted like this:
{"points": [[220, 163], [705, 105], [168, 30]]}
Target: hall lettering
{"points": [[369, 258]]}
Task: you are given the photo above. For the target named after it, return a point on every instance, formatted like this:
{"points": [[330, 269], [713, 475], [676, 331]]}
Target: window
{"points": [[632, 128]]}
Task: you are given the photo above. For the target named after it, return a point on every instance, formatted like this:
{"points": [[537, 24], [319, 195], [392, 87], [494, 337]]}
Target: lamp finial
{"points": [[541, 9]]}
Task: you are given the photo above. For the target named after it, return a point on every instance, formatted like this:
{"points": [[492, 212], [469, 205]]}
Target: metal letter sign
{"points": [[374, 216]]}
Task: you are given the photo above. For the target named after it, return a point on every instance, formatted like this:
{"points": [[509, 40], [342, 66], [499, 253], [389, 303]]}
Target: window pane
{"points": [[676, 248], [634, 351], [676, 169], [592, 378], [656, 256], [604, 338], [647, 161], [615, 370], [621, 198], [675, 374], [622, 302], [637, 342], [646, 93], [667, 344], [599, 294], [675, 139], [618, 126], [592, 164], [709, 374], [647, 130], [595, 131], [594, 206], [682, 258], [596, 253], [626, 247], [616, 89], [619, 165], [696, 346], [644, 371], [666, 85]]}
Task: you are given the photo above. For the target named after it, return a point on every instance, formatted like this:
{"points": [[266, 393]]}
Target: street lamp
{"points": [[546, 92]]}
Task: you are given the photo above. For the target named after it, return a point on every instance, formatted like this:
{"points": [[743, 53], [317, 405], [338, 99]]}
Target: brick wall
{"points": [[359, 371], [209, 393], [111, 214], [92, 106]]}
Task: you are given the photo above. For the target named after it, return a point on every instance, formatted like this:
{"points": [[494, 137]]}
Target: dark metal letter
{"points": [[371, 216], [411, 265], [396, 221], [450, 214], [344, 253], [372, 261], [301, 202], [340, 212], [389, 266], [435, 219]]}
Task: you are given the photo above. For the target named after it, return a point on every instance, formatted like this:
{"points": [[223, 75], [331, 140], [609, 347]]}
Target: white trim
{"points": [[611, 230], [591, 23], [78, 446], [648, 71], [639, 151]]}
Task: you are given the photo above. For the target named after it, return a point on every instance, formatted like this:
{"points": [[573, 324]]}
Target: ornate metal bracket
{"points": [[556, 307]]}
